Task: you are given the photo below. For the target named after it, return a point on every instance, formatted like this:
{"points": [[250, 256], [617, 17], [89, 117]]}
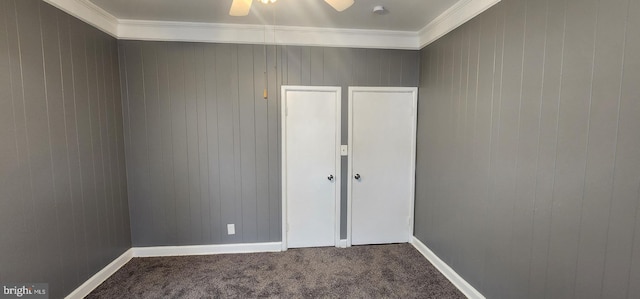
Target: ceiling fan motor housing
{"points": [[379, 10]]}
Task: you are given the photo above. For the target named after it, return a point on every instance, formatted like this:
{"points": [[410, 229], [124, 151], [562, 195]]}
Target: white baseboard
{"points": [[462, 285], [95, 280], [206, 249]]}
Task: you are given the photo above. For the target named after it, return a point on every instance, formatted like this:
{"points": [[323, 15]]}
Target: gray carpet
{"points": [[381, 271]]}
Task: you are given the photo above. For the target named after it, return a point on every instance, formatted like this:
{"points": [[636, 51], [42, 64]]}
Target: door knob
{"points": [[330, 177], [357, 176]]}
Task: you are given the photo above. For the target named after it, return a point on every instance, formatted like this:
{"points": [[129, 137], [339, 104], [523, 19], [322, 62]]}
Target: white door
{"points": [[310, 166], [382, 134]]}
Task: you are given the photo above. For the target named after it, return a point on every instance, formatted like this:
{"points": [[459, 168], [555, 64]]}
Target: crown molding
{"points": [[452, 18], [258, 34], [89, 13], [94, 15]]}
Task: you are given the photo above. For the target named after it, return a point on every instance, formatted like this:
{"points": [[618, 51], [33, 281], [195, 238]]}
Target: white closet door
{"points": [[311, 166], [382, 124]]}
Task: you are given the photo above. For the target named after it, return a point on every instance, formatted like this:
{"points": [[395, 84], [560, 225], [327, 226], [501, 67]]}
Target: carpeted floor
{"points": [[381, 271]]}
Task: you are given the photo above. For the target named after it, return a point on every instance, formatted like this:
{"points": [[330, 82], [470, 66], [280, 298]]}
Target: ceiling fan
{"points": [[240, 8]]}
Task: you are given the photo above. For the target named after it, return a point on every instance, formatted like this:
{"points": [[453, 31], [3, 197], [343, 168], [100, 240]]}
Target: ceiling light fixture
{"points": [[241, 8], [340, 5]]}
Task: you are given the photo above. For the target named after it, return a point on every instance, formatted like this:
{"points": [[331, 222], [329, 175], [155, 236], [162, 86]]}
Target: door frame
{"points": [[283, 121], [414, 92]]}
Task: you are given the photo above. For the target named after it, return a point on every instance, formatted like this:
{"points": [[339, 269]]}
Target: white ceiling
{"points": [[403, 15], [410, 24]]}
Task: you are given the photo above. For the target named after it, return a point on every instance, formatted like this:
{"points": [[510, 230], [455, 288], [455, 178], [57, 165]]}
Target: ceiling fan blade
{"points": [[340, 5], [240, 8]]}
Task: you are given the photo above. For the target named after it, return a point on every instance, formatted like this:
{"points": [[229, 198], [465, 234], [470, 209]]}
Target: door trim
{"points": [[414, 92], [283, 121]]}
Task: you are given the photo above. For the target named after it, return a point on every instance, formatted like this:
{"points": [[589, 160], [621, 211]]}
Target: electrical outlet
{"points": [[231, 229]]}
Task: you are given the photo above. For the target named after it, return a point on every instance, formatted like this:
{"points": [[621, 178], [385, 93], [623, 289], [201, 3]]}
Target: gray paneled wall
{"points": [[528, 175], [63, 195], [203, 146]]}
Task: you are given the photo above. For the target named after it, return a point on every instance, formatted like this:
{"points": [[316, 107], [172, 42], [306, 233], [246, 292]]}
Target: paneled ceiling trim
{"points": [[257, 34], [89, 13], [453, 17]]}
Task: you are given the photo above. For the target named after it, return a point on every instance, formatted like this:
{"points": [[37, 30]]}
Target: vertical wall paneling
{"points": [[203, 158], [634, 289], [261, 136], [168, 228], [55, 108], [295, 65], [624, 200], [436, 129], [410, 68], [211, 110], [632, 44], [275, 62], [316, 65], [210, 141], [180, 138], [6, 122], [225, 139], [422, 124], [527, 154], [9, 154], [305, 65], [331, 58], [573, 130], [107, 94], [37, 145], [247, 145], [395, 69], [447, 136], [24, 233], [605, 96], [77, 254], [62, 201], [98, 128], [151, 94], [504, 184], [527, 169], [359, 71], [124, 223], [236, 86], [384, 67], [481, 142], [126, 140], [460, 129], [546, 155], [106, 184], [191, 115], [88, 144], [372, 70], [138, 163]]}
